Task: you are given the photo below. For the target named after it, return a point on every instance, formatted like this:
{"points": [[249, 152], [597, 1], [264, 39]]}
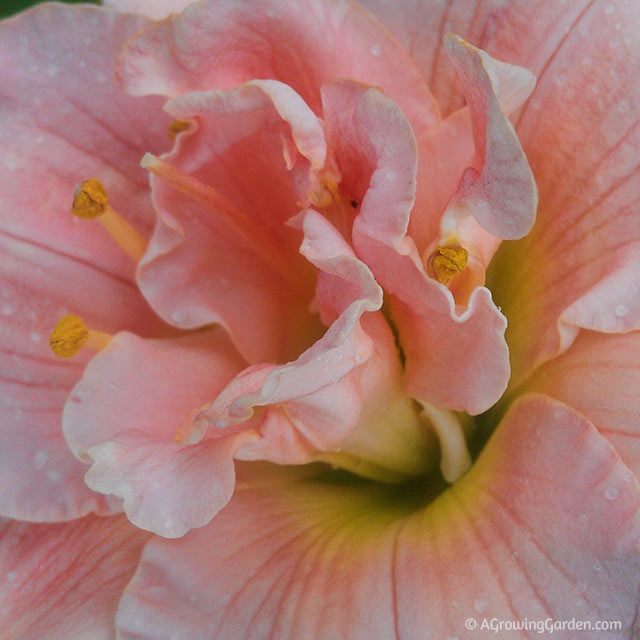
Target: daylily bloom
{"points": [[345, 319]]}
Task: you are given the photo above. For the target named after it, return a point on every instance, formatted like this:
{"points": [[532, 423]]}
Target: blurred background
{"points": [[9, 7]]}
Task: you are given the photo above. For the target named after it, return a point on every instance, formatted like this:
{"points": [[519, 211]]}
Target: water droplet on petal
{"points": [[611, 493], [480, 605], [621, 310], [40, 458], [376, 50]]}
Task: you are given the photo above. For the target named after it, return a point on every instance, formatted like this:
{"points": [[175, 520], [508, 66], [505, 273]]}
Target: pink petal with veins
{"points": [[599, 377], [300, 43], [63, 120], [42, 566], [581, 131], [532, 531], [222, 247]]}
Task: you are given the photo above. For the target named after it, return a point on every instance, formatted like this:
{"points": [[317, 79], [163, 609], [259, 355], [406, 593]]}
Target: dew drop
{"points": [[40, 458], [611, 493], [54, 476], [35, 337], [621, 310], [376, 50], [583, 518], [480, 605], [597, 566], [178, 316]]}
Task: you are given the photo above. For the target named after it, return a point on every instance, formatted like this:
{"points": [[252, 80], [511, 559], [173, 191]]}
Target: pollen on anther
{"points": [[68, 336], [90, 200], [446, 262]]}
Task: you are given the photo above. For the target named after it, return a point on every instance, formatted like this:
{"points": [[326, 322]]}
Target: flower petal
{"points": [[249, 150], [64, 581], [599, 377], [368, 131], [499, 191], [40, 480], [342, 398], [420, 26], [300, 43], [581, 132], [122, 416], [64, 121], [530, 533], [55, 133]]}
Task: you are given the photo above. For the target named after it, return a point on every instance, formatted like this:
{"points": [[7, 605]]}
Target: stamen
{"points": [[455, 459], [447, 262], [90, 201], [176, 127], [231, 216], [71, 334]]}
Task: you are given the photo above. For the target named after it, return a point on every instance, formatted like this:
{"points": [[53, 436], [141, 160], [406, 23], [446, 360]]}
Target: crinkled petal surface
{"points": [[376, 154], [301, 43], [122, 416], [579, 266], [64, 120], [532, 531], [64, 580]]}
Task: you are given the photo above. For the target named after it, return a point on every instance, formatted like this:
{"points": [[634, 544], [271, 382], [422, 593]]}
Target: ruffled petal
{"points": [[420, 26], [55, 133], [122, 417], [532, 532], [368, 131], [499, 190], [341, 401], [64, 581], [300, 43], [581, 132], [599, 376], [221, 245]]}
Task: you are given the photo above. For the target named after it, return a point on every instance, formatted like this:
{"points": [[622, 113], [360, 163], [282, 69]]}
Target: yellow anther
{"points": [[446, 262], [68, 336], [176, 127], [90, 201], [71, 334]]}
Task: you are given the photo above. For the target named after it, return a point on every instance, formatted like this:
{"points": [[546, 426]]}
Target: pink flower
{"points": [[329, 400]]}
